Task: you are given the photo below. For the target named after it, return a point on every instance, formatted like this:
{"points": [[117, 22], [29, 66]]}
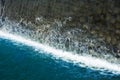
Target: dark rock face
{"points": [[99, 18], [102, 12]]}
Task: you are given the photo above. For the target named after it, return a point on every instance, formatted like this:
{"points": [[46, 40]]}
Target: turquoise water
{"points": [[20, 62]]}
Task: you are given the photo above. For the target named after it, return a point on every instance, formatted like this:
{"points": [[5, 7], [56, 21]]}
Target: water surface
{"points": [[21, 62]]}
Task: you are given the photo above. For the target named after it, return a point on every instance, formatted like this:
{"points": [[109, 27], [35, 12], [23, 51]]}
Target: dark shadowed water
{"points": [[20, 62]]}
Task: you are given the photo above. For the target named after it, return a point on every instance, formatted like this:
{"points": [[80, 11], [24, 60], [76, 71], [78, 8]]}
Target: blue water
{"points": [[20, 62]]}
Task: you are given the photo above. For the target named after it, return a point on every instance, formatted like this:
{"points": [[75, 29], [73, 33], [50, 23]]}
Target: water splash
{"points": [[55, 34], [83, 61]]}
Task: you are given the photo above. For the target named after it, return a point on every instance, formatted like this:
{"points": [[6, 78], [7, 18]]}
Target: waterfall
{"points": [[83, 61], [74, 40]]}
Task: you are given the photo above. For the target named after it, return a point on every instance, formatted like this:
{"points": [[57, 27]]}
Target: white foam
{"points": [[66, 56]]}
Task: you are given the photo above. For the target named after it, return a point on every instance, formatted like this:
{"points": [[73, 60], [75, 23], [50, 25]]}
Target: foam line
{"points": [[66, 56]]}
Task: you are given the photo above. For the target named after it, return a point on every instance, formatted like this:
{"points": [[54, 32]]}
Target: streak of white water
{"points": [[66, 56]]}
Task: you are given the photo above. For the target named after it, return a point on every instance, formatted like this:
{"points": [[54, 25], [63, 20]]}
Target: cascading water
{"points": [[74, 40], [14, 31]]}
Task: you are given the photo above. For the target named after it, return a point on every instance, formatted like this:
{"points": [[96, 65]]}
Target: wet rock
{"points": [[108, 39], [117, 31], [101, 34], [93, 32], [114, 41]]}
